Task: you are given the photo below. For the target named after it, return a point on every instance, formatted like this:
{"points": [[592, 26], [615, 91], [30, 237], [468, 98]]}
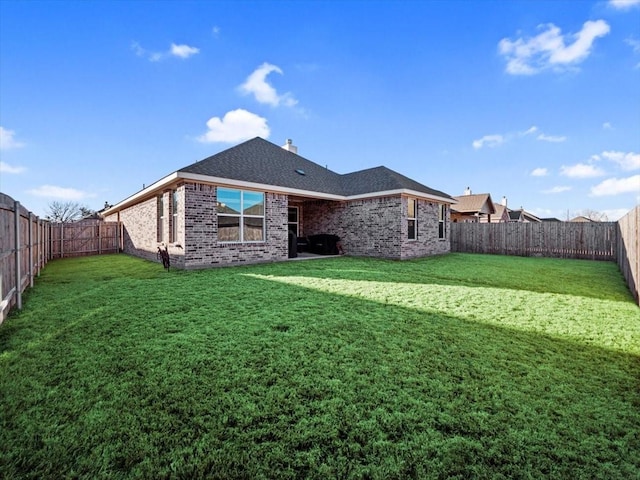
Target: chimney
{"points": [[504, 201], [467, 191], [290, 147]]}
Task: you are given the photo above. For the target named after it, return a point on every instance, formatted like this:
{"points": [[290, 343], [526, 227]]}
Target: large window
{"points": [[160, 226], [412, 215], [442, 221], [240, 216]]}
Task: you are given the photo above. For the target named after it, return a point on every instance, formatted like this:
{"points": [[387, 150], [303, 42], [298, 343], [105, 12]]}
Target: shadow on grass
{"points": [[244, 377]]}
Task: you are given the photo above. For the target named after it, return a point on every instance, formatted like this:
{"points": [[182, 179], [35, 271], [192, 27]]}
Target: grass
{"points": [[460, 366]]}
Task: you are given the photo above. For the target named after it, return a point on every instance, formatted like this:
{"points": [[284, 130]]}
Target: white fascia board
{"points": [[258, 186], [163, 182], [196, 177]]}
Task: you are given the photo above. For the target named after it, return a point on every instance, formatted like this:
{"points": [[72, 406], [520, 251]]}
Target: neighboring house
{"points": [[501, 215], [239, 205], [522, 216], [473, 208], [582, 219], [551, 219]]}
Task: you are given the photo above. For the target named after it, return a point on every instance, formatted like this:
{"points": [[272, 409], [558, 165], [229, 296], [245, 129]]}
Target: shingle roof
{"points": [[260, 161], [473, 203]]}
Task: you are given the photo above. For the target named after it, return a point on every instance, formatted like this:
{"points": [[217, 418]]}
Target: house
{"points": [[240, 205], [522, 216], [582, 219], [473, 208]]}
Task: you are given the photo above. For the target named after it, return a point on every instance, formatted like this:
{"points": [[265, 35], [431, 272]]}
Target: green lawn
{"points": [[460, 366]]}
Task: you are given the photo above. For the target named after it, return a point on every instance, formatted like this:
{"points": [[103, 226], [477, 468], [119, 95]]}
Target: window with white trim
{"points": [[240, 215], [412, 219], [293, 218], [442, 220], [174, 216], [160, 225]]}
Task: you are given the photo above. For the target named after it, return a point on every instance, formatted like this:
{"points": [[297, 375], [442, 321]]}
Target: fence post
{"points": [[39, 243], [17, 255], [30, 250]]}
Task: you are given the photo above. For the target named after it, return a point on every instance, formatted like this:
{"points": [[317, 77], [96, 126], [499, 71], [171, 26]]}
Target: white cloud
{"points": [[215, 31], [634, 44], [183, 51], [624, 4], [539, 172], [257, 85], [627, 161], [531, 130], [617, 186], [558, 189], [6, 168], [51, 191], [7, 139], [180, 51], [581, 170], [551, 138], [137, 49], [235, 126], [607, 126], [549, 50], [490, 141]]}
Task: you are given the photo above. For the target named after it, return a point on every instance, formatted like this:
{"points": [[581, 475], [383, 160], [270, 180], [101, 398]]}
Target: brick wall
{"points": [[201, 246], [140, 222], [376, 227]]}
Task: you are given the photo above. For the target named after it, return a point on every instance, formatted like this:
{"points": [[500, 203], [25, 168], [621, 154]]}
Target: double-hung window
{"points": [[442, 220], [160, 225], [240, 215], [174, 216], [412, 216]]}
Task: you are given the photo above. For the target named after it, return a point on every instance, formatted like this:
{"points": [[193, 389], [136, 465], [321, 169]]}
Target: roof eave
{"points": [[196, 177]]}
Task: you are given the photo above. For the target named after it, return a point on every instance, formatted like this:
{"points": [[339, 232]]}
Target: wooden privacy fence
{"points": [[86, 237], [628, 250], [612, 241], [592, 241], [24, 241], [28, 242]]}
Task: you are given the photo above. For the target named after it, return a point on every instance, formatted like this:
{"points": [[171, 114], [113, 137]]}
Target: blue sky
{"points": [[537, 101]]}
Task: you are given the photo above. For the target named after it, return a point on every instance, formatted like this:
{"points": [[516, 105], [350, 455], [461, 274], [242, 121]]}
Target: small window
{"points": [[240, 216], [442, 221], [412, 223], [174, 216], [160, 225], [293, 220]]}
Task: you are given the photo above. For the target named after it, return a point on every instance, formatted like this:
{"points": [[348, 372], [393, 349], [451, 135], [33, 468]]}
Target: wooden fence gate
{"points": [[86, 237]]}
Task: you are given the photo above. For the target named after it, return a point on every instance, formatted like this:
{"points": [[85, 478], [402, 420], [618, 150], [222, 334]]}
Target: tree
{"points": [[60, 212], [594, 215]]}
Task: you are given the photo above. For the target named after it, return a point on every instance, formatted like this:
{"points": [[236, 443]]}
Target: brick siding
{"points": [[202, 248], [376, 227]]}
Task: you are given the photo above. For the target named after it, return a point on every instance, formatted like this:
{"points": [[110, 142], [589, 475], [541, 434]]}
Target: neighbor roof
{"points": [[260, 161], [474, 203]]}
